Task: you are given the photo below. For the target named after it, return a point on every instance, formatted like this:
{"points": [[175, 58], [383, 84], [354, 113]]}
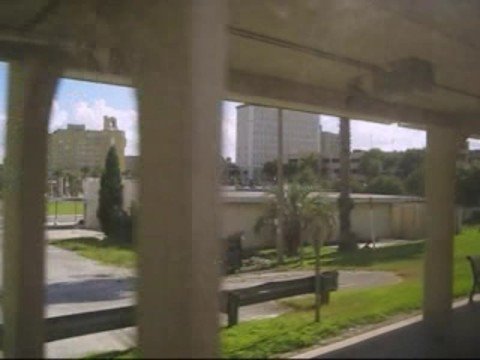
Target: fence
{"points": [[65, 210]]}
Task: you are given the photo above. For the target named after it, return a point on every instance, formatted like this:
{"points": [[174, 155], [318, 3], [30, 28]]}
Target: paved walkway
{"points": [[77, 284]]}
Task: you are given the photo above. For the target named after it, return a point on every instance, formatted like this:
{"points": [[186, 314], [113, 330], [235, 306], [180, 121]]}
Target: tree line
{"points": [[379, 172]]}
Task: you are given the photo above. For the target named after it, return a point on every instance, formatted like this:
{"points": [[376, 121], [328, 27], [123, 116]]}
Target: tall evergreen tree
{"points": [[110, 203]]}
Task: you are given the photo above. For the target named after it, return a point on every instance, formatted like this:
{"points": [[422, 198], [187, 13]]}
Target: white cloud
{"points": [[329, 123], [366, 135], [58, 117]]}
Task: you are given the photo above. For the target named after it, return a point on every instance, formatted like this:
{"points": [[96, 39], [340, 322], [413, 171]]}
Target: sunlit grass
{"points": [[101, 251], [65, 208]]}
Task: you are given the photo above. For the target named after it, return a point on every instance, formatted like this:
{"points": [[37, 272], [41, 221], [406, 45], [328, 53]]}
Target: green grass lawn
{"points": [[65, 207], [101, 251], [347, 308]]}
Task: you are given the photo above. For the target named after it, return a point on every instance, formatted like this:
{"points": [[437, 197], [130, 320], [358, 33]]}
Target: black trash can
{"points": [[233, 253]]}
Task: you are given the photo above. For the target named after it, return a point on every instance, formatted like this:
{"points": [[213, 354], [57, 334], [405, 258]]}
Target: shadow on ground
{"points": [[91, 290]]}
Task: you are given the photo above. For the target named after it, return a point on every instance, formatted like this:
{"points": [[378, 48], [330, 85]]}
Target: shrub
{"points": [[114, 221], [386, 185]]}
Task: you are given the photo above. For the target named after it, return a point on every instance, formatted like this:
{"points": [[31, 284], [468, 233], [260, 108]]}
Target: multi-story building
{"points": [[75, 147], [330, 145], [331, 165], [257, 136]]}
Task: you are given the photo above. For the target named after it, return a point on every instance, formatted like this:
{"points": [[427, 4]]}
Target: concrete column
{"points": [[180, 84], [280, 236], [440, 193], [32, 85], [347, 240]]}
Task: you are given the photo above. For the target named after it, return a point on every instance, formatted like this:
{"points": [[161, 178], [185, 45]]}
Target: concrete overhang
{"points": [[405, 61]]}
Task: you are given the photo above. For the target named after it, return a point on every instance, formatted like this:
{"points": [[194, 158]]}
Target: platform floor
{"points": [[413, 341]]}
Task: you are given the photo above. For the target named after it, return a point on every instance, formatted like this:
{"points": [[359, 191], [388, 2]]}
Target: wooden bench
{"points": [[475, 266], [232, 300]]}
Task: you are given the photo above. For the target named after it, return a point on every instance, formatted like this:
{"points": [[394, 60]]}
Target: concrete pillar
{"points": [[347, 241], [440, 193], [180, 84], [32, 85], [280, 236]]}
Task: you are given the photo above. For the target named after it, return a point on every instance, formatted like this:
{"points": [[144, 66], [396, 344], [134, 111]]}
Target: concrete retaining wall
{"points": [[90, 192], [378, 216]]}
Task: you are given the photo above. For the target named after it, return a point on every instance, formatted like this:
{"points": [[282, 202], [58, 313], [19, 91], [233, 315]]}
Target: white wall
{"points": [[90, 189], [391, 216], [384, 219]]}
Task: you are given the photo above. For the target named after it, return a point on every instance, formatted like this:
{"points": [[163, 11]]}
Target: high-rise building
{"points": [[257, 136], [75, 147], [330, 145]]}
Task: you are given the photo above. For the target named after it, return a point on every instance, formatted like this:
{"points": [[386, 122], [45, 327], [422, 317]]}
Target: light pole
{"points": [[56, 211]]}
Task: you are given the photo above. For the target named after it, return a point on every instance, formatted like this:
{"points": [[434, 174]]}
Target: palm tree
{"points": [[306, 212], [58, 175], [347, 241]]}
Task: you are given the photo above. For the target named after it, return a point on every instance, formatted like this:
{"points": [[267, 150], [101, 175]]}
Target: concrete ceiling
{"points": [[318, 55], [340, 45]]}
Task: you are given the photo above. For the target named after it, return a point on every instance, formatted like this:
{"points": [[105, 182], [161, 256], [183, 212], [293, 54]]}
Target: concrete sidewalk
{"points": [[73, 233]]}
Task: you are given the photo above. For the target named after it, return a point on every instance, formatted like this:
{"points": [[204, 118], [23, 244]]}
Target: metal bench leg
{"points": [[325, 297], [232, 311], [475, 286]]}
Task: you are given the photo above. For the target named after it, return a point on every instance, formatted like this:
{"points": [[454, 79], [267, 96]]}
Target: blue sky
{"points": [[86, 103]]}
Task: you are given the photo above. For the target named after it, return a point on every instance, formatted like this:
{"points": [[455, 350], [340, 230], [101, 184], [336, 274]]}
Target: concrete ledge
{"points": [[356, 339], [64, 226]]}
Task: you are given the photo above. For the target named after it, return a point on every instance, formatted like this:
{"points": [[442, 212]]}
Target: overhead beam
{"points": [[77, 67], [272, 91], [97, 77], [252, 88]]}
